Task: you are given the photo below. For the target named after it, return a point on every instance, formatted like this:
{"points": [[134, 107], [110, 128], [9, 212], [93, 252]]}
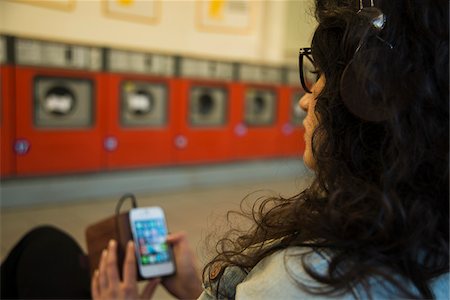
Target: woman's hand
{"points": [[185, 284], [106, 284]]}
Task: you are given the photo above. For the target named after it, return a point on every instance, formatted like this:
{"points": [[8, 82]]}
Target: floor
{"points": [[199, 212]]}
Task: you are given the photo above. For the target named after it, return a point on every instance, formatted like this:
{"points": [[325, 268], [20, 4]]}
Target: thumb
{"points": [[174, 238], [150, 288]]}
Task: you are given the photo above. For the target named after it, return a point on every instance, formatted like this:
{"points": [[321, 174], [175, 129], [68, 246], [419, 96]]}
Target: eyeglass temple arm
{"points": [[302, 77]]}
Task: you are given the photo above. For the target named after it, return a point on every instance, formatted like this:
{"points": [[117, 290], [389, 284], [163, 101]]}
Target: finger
{"points": [[111, 264], [174, 238], [95, 289], [150, 288], [129, 266], [102, 277]]}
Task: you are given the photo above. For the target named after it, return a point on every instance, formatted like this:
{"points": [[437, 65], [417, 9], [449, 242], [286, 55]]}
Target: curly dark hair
{"points": [[380, 196]]}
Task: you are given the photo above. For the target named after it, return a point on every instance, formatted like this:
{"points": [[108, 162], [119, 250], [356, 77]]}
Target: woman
{"points": [[375, 221]]}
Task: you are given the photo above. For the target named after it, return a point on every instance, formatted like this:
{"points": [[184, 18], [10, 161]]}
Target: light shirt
{"points": [[280, 275]]}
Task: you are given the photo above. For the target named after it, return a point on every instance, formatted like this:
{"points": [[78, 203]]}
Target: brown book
{"points": [[116, 227]]}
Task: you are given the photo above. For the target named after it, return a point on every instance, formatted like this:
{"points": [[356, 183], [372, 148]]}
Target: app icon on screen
{"points": [[151, 235]]}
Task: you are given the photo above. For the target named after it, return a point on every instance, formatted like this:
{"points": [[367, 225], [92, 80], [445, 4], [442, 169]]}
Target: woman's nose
{"points": [[304, 102]]}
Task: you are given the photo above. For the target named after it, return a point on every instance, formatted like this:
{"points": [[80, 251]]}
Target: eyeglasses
{"points": [[307, 69]]}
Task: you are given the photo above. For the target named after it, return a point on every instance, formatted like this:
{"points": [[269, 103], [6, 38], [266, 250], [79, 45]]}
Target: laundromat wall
{"points": [[70, 107]]}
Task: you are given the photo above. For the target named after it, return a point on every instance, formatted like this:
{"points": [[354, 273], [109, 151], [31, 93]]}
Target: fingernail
{"points": [[104, 252], [112, 243]]}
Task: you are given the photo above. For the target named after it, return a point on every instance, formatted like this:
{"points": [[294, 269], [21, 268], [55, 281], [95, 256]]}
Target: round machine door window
{"points": [[63, 102], [297, 114], [207, 106], [59, 101], [260, 107], [143, 104], [140, 103]]}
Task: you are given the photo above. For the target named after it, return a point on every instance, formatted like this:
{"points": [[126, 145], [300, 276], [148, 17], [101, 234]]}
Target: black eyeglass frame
{"points": [[377, 21], [304, 52]]}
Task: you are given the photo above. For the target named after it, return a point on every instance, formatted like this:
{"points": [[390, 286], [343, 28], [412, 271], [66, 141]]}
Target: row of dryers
{"points": [[69, 108]]}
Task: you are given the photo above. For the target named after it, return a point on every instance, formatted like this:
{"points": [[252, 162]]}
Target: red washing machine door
{"points": [[7, 164], [257, 122], [204, 126], [140, 127], [291, 140], [59, 121]]}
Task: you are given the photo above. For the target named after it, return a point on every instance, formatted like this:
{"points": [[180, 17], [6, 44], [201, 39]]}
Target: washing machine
{"points": [[204, 95], [257, 117], [59, 108], [291, 134], [7, 159], [141, 107]]}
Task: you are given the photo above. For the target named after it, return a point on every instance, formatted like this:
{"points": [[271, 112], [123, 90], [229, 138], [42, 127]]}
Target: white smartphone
{"points": [[149, 229]]}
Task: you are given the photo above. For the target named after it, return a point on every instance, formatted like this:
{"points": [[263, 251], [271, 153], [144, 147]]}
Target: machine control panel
{"points": [[292, 77], [260, 74], [206, 69], [140, 62], [2, 50], [53, 54]]}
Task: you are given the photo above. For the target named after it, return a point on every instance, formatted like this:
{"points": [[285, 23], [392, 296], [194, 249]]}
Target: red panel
{"points": [[291, 141], [138, 147], [7, 121], [55, 151], [254, 142], [201, 144]]}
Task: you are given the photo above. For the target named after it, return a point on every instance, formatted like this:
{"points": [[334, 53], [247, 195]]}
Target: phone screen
{"points": [[151, 241]]}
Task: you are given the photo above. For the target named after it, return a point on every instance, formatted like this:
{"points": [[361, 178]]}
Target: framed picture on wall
{"points": [[53, 4], [227, 16], [141, 11]]}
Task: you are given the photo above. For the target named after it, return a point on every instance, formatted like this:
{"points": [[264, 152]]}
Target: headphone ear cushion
{"points": [[361, 86]]}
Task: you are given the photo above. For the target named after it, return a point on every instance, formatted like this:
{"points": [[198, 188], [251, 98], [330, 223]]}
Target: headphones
{"points": [[362, 81]]}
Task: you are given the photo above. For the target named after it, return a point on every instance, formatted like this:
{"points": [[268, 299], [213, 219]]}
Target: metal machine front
{"points": [[260, 107], [7, 119], [59, 104], [205, 95], [257, 119], [143, 104], [140, 125], [291, 141], [207, 107], [63, 103]]}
